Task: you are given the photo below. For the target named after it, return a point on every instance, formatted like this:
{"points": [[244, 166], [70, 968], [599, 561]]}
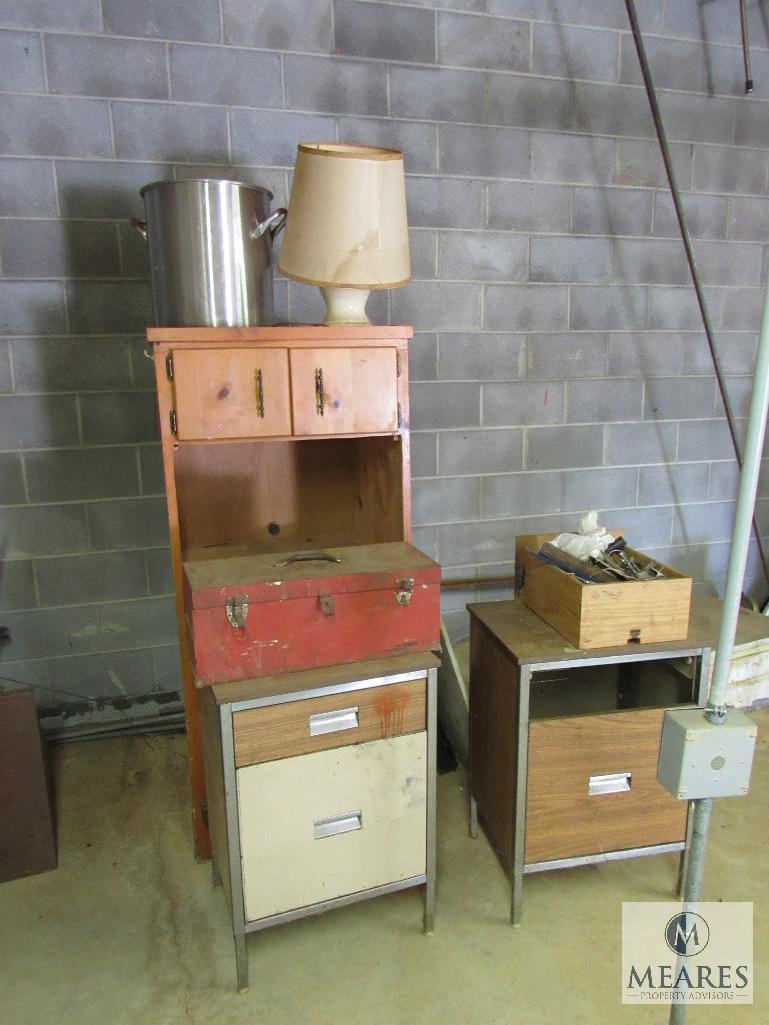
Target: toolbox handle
{"points": [[309, 557]]}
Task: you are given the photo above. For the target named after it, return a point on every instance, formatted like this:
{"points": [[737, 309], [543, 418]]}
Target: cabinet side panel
{"points": [[493, 738], [217, 817], [175, 508]]}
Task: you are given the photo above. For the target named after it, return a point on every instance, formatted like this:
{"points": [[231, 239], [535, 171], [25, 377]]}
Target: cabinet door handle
{"points": [[347, 823], [609, 783], [260, 393], [334, 722], [320, 395]]}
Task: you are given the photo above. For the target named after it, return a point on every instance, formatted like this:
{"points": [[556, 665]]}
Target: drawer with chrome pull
{"points": [[315, 724], [332, 823], [592, 786]]}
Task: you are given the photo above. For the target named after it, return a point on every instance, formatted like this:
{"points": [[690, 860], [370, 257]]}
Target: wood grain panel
{"points": [[493, 737], [192, 715], [603, 615], [316, 493], [231, 393], [563, 821], [360, 390], [310, 334], [281, 731]]}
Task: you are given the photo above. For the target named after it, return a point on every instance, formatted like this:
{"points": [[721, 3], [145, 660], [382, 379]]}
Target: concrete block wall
{"points": [[559, 362]]}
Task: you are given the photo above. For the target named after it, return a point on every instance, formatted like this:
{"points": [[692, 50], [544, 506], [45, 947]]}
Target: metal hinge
{"points": [[400, 415], [172, 419], [170, 366], [397, 363]]}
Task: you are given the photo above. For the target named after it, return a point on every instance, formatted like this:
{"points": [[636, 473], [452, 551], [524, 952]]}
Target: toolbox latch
{"points": [[326, 604], [237, 611], [405, 588]]}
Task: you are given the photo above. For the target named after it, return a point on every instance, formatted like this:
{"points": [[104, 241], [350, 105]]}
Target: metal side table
{"points": [[564, 743]]}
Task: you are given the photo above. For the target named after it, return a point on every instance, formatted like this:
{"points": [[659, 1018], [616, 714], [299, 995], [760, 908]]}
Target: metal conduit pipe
{"points": [[686, 239], [749, 465], [754, 442], [745, 47]]}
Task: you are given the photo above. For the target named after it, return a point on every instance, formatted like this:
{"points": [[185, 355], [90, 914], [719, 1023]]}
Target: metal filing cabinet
{"points": [[321, 789], [564, 743]]}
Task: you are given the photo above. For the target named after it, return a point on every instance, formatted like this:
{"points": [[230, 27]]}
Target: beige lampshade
{"points": [[346, 224]]}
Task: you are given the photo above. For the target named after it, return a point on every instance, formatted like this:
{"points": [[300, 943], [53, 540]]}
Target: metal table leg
{"points": [[241, 961], [233, 847], [519, 809], [432, 738], [473, 817]]}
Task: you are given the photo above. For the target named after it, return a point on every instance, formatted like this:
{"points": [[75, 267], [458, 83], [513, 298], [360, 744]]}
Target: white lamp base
{"points": [[345, 305]]}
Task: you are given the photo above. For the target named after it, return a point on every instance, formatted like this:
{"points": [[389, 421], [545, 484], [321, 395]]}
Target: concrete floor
{"points": [[129, 928]]}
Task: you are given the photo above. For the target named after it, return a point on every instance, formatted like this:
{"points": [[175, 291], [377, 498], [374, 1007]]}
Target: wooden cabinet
{"points": [[344, 391], [251, 465], [237, 392], [231, 393], [564, 743], [343, 812]]}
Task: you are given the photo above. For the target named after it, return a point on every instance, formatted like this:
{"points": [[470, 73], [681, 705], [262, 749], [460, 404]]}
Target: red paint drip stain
{"points": [[390, 712]]}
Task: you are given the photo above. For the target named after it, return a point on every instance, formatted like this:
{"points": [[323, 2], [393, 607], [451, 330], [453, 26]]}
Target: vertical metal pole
{"points": [[692, 886], [745, 47], [746, 498], [432, 743], [521, 786]]}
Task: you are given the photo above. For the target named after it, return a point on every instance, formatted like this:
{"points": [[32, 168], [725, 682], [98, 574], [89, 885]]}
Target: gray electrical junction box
{"points": [[699, 758]]}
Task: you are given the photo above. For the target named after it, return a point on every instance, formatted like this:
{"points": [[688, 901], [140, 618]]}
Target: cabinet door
{"points": [[231, 393], [323, 825], [593, 787], [344, 391]]}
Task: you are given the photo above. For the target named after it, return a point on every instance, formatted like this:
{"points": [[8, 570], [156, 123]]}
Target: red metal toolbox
{"points": [[256, 615]]}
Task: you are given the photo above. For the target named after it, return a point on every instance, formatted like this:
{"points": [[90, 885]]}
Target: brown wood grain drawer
{"points": [[316, 724], [628, 809]]}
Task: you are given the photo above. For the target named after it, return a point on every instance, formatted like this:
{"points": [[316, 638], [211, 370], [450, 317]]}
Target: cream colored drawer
{"points": [[332, 823]]}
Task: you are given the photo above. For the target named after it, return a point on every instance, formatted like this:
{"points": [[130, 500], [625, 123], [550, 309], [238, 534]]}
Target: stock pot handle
{"points": [[141, 227], [275, 223]]}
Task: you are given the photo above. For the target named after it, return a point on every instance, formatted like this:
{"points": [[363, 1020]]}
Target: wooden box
{"points": [[256, 615], [596, 615]]}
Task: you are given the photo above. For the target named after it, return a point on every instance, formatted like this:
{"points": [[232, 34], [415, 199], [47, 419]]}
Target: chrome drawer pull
{"points": [[611, 783], [333, 722], [347, 823]]}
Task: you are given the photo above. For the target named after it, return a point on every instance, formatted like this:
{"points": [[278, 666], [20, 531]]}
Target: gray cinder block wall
{"points": [[558, 364]]}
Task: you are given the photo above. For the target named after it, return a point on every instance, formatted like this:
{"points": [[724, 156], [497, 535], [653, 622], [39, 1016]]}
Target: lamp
{"points": [[346, 229]]}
